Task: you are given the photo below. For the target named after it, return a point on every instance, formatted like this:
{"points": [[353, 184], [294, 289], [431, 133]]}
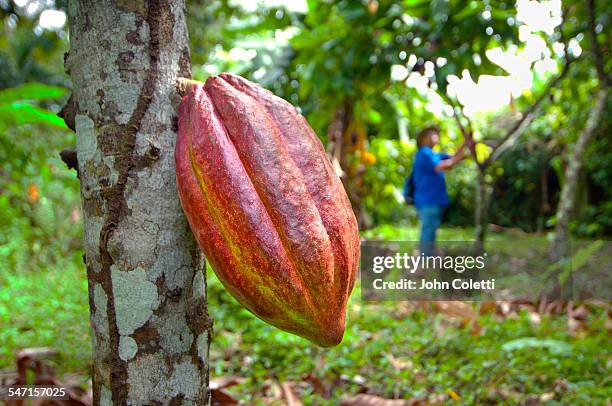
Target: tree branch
{"points": [[69, 156], [597, 53], [68, 113], [519, 126], [468, 133], [567, 201], [517, 129]]}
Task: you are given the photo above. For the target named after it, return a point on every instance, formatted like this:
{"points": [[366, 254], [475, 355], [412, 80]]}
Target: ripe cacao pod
{"points": [[266, 207]]}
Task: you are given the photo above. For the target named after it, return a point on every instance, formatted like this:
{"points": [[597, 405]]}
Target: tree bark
{"points": [[343, 142], [567, 201], [147, 288], [481, 209]]}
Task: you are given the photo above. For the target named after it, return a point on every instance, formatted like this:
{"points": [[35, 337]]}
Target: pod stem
{"points": [[183, 85]]}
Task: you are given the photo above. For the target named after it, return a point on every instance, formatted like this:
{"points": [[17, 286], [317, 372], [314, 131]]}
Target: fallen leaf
{"points": [[561, 385], [271, 390], [531, 401], [225, 382], [535, 319], [488, 306], [372, 400], [317, 384], [548, 396], [580, 313], [608, 325], [32, 370], [358, 379], [219, 397], [574, 326], [289, 395], [399, 363], [456, 309]]}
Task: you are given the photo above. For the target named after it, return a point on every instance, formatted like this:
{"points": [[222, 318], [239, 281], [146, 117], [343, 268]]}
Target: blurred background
{"points": [[520, 77]]}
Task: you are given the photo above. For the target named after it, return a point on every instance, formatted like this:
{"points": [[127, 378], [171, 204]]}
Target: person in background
{"points": [[430, 196]]}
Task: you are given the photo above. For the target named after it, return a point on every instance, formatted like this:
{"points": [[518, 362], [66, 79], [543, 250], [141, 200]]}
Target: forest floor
{"points": [[429, 353]]}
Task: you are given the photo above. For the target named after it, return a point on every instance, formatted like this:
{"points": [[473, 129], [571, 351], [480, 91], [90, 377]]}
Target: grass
{"points": [[396, 350], [46, 308], [391, 349]]}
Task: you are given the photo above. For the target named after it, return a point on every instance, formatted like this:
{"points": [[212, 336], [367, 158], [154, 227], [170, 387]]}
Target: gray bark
{"points": [[567, 201], [147, 289]]}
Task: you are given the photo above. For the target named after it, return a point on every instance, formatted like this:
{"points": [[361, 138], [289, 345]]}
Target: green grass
{"points": [[392, 349], [46, 308]]}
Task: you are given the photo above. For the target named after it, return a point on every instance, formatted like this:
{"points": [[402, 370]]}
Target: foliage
{"points": [[339, 50], [46, 307], [17, 110], [414, 355], [280, 47], [216, 27], [595, 216], [392, 349], [361, 42], [43, 299], [393, 162], [507, 362], [27, 51], [343, 51], [524, 174], [39, 198]]}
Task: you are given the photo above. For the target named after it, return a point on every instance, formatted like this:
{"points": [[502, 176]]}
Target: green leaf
{"points": [[415, 3], [312, 5], [439, 11], [470, 10], [482, 151], [584, 254], [555, 346], [20, 113], [374, 116], [31, 91]]}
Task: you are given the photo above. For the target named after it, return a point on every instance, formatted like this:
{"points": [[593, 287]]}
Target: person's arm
{"points": [[448, 163]]}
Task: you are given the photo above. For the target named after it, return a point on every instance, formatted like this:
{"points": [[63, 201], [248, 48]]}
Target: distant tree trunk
{"points": [[344, 140], [147, 287], [567, 201], [544, 204], [569, 191], [481, 209]]}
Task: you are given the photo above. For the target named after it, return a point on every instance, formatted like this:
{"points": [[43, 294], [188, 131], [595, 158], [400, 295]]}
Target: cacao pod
{"points": [[266, 207]]}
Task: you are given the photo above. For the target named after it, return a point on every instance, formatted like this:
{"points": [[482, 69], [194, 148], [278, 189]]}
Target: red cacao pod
{"points": [[266, 207]]}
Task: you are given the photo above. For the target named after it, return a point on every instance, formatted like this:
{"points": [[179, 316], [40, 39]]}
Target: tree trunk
{"points": [[544, 204], [343, 142], [481, 209], [567, 201], [147, 288]]}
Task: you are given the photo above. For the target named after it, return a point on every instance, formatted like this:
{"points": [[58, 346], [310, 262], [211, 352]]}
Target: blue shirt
{"points": [[429, 185]]}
